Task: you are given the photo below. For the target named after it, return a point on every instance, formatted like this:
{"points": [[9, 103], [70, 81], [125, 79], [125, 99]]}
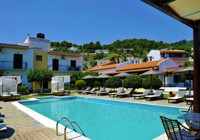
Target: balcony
{"points": [[10, 65], [64, 68]]}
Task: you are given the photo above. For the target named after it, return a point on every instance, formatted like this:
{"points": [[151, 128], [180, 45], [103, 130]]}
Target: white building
{"points": [[101, 51], [73, 48], [178, 56], [15, 60], [35, 52]]}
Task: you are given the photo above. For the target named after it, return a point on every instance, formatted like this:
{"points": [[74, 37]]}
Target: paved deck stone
{"points": [[16, 121]]}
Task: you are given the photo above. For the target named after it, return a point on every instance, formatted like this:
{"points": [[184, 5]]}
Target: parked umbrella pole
{"points": [[151, 91], [190, 83]]}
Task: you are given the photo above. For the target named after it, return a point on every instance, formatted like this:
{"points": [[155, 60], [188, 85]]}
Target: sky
{"points": [[83, 21]]}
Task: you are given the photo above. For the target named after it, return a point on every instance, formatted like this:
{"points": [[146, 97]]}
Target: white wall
{"points": [[155, 55], [107, 70], [167, 63], [8, 55], [38, 43], [66, 61]]}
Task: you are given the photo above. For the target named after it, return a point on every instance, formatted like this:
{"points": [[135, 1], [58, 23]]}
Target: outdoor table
{"points": [[190, 116]]}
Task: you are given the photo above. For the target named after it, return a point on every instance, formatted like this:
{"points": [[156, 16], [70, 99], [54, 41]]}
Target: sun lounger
{"points": [[180, 95], [104, 93], [81, 91], [128, 92], [5, 96], [3, 127], [101, 90], [189, 100], [146, 92], [120, 90], [88, 92], [158, 94]]}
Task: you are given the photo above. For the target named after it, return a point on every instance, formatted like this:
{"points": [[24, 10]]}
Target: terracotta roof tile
{"points": [[145, 65], [111, 66], [106, 65]]}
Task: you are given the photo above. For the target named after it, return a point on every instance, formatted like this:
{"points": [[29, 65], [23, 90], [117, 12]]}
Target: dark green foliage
{"points": [[156, 82], [39, 76], [22, 89], [98, 56], [97, 84], [135, 47], [79, 75], [188, 64], [114, 82], [133, 82], [80, 84], [93, 63]]}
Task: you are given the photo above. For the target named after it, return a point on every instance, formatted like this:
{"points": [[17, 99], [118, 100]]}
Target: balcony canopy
{"points": [[186, 11]]}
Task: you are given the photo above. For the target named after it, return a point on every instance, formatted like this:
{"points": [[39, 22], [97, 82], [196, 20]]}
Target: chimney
{"points": [[40, 35]]}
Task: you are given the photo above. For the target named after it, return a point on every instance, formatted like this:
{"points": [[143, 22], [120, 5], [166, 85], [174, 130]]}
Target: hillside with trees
{"points": [[121, 49]]}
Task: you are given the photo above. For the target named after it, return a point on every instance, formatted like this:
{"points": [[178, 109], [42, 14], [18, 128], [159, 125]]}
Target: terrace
{"points": [[21, 124], [10, 65]]}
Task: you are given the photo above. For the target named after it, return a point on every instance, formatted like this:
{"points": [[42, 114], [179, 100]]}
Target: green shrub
{"points": [[22, 89], [80, 84], [156, 82], [97, 84], [133, 82], [114, 82]]}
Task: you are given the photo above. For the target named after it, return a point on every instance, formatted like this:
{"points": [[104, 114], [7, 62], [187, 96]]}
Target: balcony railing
{"points": [[64, 68], [9, 65]]}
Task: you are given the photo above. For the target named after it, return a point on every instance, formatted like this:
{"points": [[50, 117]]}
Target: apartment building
{"points": [[35, 52]]}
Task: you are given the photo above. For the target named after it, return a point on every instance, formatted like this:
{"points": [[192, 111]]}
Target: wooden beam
{"points": [[196, 47], [167, 10]]}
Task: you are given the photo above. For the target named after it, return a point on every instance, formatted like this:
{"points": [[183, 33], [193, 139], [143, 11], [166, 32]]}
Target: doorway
{"points": [[18, 60]]}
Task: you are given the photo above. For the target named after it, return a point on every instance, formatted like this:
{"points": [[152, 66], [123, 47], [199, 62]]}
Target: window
{"points": [[45, 85], [178, 78], [73, 63], [38, 57]]}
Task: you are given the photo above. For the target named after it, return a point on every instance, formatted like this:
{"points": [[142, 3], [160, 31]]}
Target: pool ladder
{"points": [[68, 123]]}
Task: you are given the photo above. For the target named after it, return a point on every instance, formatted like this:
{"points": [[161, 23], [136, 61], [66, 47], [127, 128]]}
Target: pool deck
{"points": [[19, 122]]}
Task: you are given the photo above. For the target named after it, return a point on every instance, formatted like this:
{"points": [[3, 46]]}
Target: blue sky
{"points": [[83, 21]]}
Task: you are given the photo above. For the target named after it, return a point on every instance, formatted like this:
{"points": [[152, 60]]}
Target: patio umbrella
{"points": [[184, 71], [87, 77], [150, 73], [104, 76], [123, 75]]}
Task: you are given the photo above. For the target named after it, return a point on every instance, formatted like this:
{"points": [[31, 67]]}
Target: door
{"points": [[18, 60], [73, 63], [55, 64]]}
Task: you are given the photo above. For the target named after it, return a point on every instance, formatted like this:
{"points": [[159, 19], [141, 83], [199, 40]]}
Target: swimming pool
{"points": [[106, 119]]}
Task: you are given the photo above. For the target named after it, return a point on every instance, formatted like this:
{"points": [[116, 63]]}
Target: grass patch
{"points": [[165, 96]]}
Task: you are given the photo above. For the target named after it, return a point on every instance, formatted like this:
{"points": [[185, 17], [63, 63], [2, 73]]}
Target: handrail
{"points": [[67, 122], [70, 123]]}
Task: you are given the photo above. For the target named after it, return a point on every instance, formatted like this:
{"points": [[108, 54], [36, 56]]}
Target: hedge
{"points": [[80, 84], [114, 82], [133, 82], [156, 82]]}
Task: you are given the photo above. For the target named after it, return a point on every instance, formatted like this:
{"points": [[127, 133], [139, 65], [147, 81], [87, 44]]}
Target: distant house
{"points": [[178, 56], [101, 51], [101, 61], [134, 60], [73, 48]]}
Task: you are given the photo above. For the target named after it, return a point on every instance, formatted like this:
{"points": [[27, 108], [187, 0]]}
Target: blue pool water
{"points": [[105, 119]]}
